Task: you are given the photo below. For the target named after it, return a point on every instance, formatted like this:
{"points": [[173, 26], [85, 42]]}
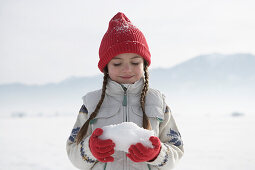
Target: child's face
{"points": [[126, 68]]}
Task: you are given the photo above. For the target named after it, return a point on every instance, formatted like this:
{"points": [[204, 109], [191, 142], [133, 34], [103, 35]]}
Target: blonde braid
{"points": [[146, 121], [84, 128]]}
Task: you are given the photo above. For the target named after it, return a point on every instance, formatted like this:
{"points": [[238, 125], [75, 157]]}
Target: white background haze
{"points": [[202, 60], [47, 41]]}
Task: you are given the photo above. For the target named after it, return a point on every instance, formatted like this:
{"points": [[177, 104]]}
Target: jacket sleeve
{"points": [[171, 143], [80, 154]]}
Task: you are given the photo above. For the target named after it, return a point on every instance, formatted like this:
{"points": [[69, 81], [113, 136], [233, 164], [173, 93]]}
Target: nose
{"points": [[126, 68]]}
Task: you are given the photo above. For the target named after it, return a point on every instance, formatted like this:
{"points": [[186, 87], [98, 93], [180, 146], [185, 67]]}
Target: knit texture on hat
{"points": [[122, 37]]}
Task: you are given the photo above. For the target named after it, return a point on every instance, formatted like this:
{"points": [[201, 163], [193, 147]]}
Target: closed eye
{"points": [[135, 63], [118, 64]]}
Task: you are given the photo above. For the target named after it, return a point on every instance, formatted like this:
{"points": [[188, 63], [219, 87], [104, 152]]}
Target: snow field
{"points": [[211, 142]]}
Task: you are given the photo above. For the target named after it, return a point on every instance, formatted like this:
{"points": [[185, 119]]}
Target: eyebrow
{"points": [[136, 57], [131, 58]]}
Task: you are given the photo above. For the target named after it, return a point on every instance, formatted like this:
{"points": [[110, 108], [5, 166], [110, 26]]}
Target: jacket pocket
{"points": [[106, 116], [154, 113]]}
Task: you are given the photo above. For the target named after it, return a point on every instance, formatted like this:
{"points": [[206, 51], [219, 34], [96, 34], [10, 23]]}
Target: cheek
{"points": [[112, 71], [139, 71]]}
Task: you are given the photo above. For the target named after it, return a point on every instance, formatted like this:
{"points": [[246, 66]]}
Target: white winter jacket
{"points": [[123, 105]]}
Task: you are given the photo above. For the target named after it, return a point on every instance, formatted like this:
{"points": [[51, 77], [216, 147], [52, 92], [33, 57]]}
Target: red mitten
{"points": [[141, 153], [101, 149]]}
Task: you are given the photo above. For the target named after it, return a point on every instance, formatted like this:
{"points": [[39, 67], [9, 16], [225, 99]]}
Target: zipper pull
{"points": [[124, 103]]}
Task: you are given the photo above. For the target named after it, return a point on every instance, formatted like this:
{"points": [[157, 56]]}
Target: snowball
{"points": [[125, 134]]}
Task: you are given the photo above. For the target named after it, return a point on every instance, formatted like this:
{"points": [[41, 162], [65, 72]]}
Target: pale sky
{"points": [[44, 41]]}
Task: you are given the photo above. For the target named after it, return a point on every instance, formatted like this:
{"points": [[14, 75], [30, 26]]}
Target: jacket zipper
{"points": [[124, 103]]}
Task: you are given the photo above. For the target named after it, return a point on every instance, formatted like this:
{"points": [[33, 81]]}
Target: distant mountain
{"points": [[53, 98], [202, 80], [215, 71]]}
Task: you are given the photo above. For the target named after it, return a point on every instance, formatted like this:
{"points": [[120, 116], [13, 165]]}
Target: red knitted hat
{"points": [[122, 37]]}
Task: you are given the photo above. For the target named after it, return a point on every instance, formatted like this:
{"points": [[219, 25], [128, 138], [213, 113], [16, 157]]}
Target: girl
{"points": [[124, 97]]}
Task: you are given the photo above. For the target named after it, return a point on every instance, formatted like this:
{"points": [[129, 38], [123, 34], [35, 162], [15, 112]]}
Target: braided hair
{"points": [[83, 131], [146, 121]]}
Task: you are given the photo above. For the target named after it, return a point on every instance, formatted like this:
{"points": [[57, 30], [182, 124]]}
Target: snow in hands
{"points": [[126, 134]]}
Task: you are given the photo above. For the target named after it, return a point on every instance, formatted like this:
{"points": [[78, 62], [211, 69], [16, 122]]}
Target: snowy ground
{"points": [[210, 141]]}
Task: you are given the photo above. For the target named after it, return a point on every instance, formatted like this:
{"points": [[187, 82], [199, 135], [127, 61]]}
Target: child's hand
{"points": [[101, 149], [141, 153]]}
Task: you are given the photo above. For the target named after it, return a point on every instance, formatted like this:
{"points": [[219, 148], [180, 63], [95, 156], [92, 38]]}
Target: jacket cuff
{"points": [[163, 156], [85, 151]]}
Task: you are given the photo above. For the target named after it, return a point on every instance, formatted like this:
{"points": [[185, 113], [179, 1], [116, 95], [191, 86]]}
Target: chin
{"points": [[127, 81]]}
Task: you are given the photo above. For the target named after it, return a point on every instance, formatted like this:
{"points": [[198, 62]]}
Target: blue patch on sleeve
{"points": [[83, 109], [74, 134], [175, 138]]}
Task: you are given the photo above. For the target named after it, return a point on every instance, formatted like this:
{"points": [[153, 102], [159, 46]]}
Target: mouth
{"points": [[126, 77]]}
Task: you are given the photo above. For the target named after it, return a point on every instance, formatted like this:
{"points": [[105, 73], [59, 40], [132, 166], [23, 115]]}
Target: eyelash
{"points": [[116, 65], [120, 64]]}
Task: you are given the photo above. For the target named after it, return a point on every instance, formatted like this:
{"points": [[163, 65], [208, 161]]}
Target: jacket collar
{"points": [[113, 88]]}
